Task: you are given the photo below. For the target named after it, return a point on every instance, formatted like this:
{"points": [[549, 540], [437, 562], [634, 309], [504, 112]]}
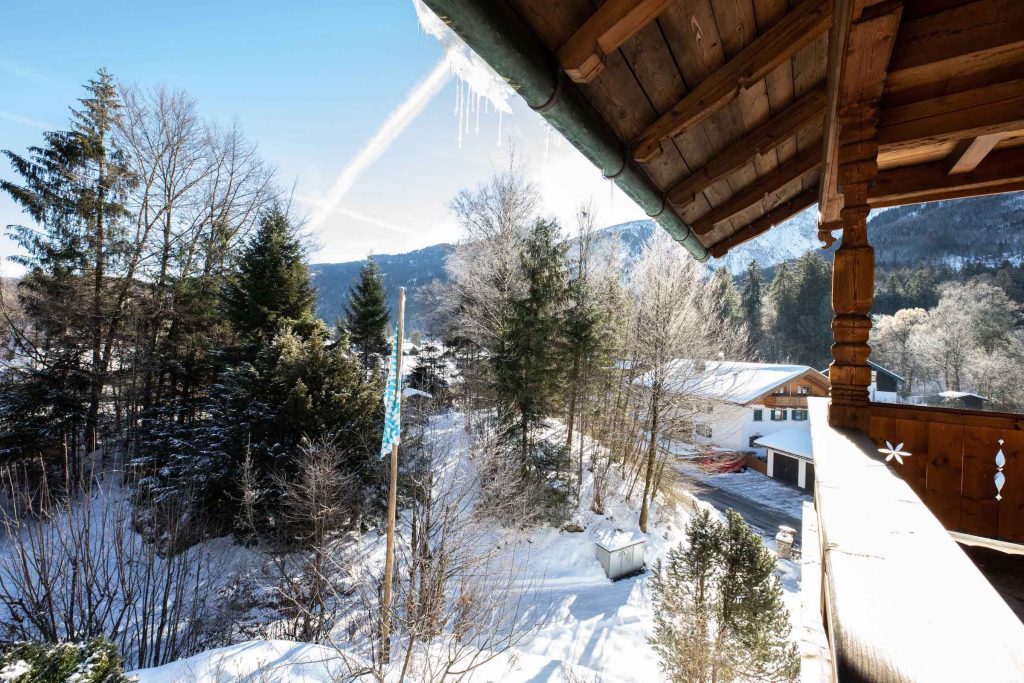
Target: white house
{"points": [[742, 402]]}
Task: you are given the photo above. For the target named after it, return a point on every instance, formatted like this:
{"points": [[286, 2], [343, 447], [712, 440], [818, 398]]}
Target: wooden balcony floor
{"points": [[1005, 571]]}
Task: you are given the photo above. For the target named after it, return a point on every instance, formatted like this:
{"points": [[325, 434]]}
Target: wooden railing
{"points": [[900, 600], [784, 401], [952, 465]]}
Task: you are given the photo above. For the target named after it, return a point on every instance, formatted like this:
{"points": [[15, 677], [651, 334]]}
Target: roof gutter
{"points": [[504, 41]]}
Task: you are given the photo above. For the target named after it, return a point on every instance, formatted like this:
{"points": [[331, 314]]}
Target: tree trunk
{"points": [[96, 324], [652, 454]]}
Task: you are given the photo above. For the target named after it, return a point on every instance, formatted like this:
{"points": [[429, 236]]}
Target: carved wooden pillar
{"points": [[853, 273]]}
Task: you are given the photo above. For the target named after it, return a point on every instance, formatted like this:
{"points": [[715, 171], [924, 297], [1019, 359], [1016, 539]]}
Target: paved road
{"points": [[761, 517]]}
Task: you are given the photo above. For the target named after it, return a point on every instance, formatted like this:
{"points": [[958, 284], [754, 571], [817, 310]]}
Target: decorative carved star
{"points": [[896, 452]]}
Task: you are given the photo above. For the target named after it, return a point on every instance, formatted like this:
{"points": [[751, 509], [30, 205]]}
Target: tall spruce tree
{"points": [[723, 291], [528, 367], [813, 328], [366, 314], [751, 298], [272, 285], [74, 188], [779, 315]]}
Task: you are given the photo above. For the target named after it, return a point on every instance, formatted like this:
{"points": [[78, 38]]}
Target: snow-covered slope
{"points": [[784, 242]]}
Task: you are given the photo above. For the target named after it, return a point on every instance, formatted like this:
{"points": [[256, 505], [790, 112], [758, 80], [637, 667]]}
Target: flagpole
{"points": [[389, 558]]}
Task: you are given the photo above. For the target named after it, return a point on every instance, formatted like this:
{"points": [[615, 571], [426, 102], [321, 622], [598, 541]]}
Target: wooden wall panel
{"points": [[979, 509], [952, 466], [945, 470]]}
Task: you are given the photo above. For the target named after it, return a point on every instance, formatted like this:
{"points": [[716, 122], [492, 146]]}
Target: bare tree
{"points": [[678, 328], [315, 508], [74, 568], [463, 595]]}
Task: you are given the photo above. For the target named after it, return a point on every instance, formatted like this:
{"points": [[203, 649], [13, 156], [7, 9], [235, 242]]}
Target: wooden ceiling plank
{"points": [[582, 57], [786, 173], [957, 32], [779, 214], [758, 142], [794, 31], [969, 153], [992, 109], [691, 33], [779, 83], [1001, 171]]}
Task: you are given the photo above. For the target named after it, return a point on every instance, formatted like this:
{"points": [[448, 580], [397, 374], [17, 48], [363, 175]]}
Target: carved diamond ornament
{"points": [[896, 452], [1000, 478]]}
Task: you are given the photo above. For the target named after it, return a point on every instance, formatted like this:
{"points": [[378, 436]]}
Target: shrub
{"points": [[94, 661]]}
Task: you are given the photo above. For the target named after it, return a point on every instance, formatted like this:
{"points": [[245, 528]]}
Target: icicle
{"points": [[462, 105], [500, 113], [478, 113]]}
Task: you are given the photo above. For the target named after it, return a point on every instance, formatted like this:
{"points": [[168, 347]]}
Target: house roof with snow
{"points": [[960, 394], [795, 441], [736, 382]]}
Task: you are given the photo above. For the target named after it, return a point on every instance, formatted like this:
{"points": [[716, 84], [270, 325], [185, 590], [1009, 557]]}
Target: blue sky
{"points": [[310, 83]]}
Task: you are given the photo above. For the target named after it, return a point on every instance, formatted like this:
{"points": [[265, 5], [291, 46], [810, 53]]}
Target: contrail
{"points": [[397, 121], [25, 121], [379, 222]]}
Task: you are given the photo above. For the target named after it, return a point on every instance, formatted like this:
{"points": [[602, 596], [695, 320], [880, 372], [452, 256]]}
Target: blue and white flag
{"points": [[392, 404]]}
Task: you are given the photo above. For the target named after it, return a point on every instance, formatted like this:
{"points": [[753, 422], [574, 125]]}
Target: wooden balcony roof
{"points": [[730, 107]]}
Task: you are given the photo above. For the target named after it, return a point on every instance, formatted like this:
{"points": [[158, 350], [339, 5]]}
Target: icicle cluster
{"points": [[479, 88]]}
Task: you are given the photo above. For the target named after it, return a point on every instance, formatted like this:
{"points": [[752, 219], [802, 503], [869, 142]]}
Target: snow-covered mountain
{"points": [[784, 242], [903, 237]]}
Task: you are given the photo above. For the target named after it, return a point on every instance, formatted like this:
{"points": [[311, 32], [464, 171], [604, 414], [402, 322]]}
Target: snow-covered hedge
{"points": [[95, 661]]}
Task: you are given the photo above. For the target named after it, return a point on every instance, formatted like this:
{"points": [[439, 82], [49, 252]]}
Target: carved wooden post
{"points": [[853, 273]]}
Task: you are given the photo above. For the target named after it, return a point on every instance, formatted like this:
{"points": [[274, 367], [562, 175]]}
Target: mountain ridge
{"points": [[908, 236]]}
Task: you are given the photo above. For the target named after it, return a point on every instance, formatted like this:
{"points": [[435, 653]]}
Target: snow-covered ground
{"points": [[583, 627]]}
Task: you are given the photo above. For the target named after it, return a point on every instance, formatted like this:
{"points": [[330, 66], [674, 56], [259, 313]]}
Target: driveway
{"points": [[764, 503]]}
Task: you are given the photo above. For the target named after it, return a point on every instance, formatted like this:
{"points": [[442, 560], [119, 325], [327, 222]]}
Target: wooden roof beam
{"points": [[860, 47], [773, 183], [1001, 171], [750, 147], [967, 154], [780, 214], [970, 38], [983, 111], [616, 21], [794, 31]]}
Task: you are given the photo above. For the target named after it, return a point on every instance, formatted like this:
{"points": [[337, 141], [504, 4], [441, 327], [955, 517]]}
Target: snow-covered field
{"points": [[580, 626]]}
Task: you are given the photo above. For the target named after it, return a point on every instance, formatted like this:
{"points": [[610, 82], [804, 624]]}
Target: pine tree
{"points": [[272, 285], [74, 188], [719, 614], [723, 291], [367, 314], [779, 315], [751, 298], [428, 375], [813, 326], [528, 367]]}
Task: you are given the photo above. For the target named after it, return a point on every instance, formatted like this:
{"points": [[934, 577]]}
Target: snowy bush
{"points": [[94, 661]]}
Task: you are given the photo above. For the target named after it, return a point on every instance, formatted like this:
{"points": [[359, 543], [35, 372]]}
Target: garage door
{"points": [[786, 469], [810, 477]]}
